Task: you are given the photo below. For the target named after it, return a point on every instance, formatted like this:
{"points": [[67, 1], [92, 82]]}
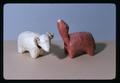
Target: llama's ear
{"points": [[51, 35]]}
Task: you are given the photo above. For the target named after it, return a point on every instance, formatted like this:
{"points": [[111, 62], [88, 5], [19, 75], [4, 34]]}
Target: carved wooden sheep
{"points": [[35, 43], [77, 42]]}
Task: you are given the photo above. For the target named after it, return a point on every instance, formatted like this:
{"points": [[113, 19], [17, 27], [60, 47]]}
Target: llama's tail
{"points": [[63, 29]]}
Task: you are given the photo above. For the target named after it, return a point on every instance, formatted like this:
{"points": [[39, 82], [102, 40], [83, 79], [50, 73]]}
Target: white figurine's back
{"points": [[27, 37]]}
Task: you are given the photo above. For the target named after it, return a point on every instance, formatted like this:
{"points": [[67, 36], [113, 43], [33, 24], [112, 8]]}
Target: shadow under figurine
{"points": [[77, 42]]}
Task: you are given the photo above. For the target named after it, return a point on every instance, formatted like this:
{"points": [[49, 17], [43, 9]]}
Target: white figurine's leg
{"points": [[20, 49], [34, 53], [41, 51]]}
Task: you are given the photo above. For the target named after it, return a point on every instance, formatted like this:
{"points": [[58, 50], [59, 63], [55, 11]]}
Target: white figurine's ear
{"points": [[51, 35], [37, 41]]}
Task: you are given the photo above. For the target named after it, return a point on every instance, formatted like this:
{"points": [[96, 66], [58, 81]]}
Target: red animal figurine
{"points": [[77, 42]]}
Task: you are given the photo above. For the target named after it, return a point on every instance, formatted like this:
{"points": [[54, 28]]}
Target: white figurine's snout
{"points": [[45, 42], [46, 46]]}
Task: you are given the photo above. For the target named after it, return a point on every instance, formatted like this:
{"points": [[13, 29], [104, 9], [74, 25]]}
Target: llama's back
{"points": [[83, 41]]}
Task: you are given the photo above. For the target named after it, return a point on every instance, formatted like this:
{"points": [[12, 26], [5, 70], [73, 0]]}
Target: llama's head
{"points": [[62, 25], [45, 41]]}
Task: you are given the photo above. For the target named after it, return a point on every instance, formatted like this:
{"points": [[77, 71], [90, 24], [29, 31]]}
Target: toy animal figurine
{"points": [[77, 42], [34, 43]]}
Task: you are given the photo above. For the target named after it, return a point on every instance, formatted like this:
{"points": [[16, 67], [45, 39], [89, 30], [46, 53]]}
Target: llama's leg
{"points": [[71, 53], [71, 56], [68, 53], [90, 51]]}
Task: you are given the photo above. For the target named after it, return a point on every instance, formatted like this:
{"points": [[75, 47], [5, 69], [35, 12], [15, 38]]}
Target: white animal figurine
{"points": [[34, 43]]}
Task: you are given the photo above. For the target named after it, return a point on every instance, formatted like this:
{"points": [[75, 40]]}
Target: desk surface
{"points": [[56, 65]]}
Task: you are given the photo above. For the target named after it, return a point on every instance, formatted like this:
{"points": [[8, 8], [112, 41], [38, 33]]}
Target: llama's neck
{"points": [[65, 37], [63, 30]]}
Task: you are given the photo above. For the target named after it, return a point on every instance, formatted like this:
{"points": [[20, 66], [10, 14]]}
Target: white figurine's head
{"points": [[45, 41]]}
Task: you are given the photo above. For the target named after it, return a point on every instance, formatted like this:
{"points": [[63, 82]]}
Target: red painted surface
{"points": [[77, 42]]}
